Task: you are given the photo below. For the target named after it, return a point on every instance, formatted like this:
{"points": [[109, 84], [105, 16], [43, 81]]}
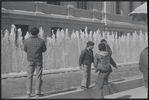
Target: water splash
{"points": [[65, 51]]}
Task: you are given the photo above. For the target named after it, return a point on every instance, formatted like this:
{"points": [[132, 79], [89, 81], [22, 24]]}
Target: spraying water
{"points": [[63, 50]]}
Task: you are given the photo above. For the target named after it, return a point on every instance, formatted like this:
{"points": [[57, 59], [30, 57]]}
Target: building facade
{"points": [[74, 15]]}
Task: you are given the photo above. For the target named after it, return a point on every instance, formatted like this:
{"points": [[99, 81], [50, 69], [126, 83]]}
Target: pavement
{"points": [[139, 92], [62, 82], [127, 88]]}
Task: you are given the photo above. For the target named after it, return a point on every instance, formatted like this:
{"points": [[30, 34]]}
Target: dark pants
{"points": [[100, 83], [86, 75], [145, 77], [107, 78], [30, 70]]}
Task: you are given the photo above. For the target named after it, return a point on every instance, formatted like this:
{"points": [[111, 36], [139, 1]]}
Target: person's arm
{"points": [[81, 58], [44, 47], [95, 61], [92, 57], [112, 62], [109, 50], [140, 63]]}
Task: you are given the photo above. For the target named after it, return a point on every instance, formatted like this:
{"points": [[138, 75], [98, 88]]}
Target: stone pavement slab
{"points": [[139, 92], [114, 87], [16, 87]]}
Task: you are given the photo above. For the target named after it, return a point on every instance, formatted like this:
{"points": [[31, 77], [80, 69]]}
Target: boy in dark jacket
{"points": [[85, 60], [34, 47]]}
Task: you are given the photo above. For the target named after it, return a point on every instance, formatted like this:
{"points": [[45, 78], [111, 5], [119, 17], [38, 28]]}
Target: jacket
{"points": [[86, 57], [102, 61], [143, 61], [108, 49], [34, 47]]}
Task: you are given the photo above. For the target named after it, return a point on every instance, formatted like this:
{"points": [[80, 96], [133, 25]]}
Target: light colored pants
{"points": [[86, 76], [30, 70], [100, 84]]}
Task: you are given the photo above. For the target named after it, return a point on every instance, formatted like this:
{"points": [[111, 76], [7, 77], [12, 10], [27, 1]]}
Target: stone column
{"points": [[94, 9], [64, 3], [112, 7], [114, 3], [70, 4], [95, 6], [109, 7], [125, 8], [100, 6], [70, 8], [89, 5]]}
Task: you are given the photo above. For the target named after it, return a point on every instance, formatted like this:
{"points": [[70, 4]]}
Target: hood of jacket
{"points": [[103, 53]]}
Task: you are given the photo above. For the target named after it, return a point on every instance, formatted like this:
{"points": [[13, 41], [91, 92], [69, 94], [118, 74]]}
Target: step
{"points": [[139, 92], [115, 86]]}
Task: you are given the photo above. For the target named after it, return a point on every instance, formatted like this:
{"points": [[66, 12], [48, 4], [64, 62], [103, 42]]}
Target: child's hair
{"points": [[34, 31], [102, 47], [103, 40], [89, 43]]}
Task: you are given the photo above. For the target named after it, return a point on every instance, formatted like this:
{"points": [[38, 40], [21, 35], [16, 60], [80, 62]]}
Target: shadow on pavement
{"points": [[114, 88], [55, 92], [125, 96], [117, 80]]}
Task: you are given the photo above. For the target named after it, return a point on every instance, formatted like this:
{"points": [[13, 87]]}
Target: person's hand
{"points": [[96, 70], [116, 67], [81, 66]]}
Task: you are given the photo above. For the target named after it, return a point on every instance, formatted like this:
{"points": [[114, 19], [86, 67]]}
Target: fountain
{"points": [[63, 50]]}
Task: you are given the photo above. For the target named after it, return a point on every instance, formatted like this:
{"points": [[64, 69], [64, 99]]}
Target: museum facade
{"points": [[74, 15]]}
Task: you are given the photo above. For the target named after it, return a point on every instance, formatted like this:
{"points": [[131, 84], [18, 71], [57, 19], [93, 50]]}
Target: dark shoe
{"points": [[99, 98], [106, 83], [83, 87], [28, 95], [87, 87], [39, 95]]}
